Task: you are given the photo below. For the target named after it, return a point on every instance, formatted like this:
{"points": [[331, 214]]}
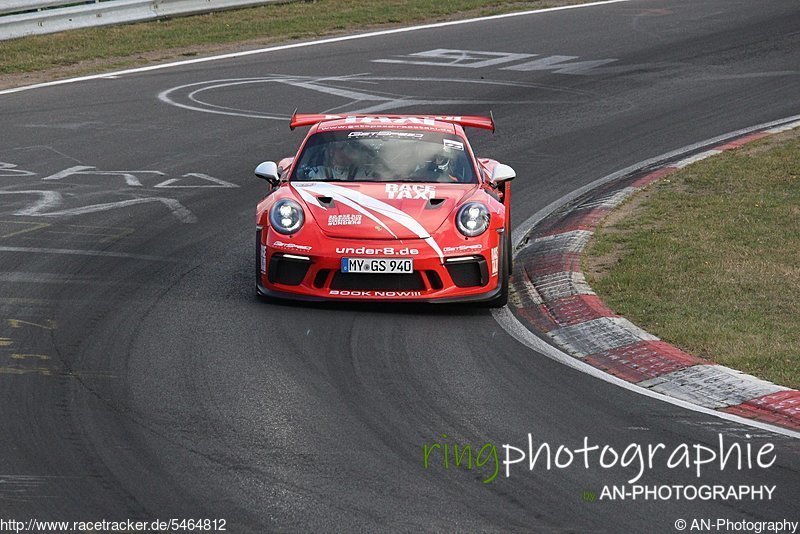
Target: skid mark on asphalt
{"points": [[25, 347], [76, 252], [63, 233], [17, 487], [40, 357], [7, 228], [47, 324]]}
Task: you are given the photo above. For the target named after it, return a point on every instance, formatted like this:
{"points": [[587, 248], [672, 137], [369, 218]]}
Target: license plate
{"points": [[378, 265]]}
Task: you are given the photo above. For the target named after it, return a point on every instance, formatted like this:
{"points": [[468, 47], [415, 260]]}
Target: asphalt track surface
{"points": [[146, 381]]}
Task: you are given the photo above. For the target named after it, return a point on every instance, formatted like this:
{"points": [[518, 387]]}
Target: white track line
{"points": [[304, 44], [517, 330]]}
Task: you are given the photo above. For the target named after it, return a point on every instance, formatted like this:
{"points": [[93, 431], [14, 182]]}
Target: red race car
{"points": [[386, 208]]}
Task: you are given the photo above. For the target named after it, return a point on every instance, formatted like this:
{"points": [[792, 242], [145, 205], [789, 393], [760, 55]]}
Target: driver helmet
{"points": [[441, 160], [341, 161]]}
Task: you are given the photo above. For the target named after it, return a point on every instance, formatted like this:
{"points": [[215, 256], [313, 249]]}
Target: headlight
{"points": [[286, 216], [472, 219]]}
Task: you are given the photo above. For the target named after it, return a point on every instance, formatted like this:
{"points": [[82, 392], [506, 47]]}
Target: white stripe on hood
{"points": [[378, 206], [308, 197]]}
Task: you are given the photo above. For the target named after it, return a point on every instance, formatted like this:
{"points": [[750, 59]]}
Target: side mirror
{"points": [[503, 173], [268, 171]]}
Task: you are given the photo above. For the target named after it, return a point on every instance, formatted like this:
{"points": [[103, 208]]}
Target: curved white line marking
{"points": [[165, 96], [385, 101], [518, 331], [47, 200]]}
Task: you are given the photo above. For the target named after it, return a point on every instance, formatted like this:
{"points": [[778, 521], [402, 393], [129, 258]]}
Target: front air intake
{"points": [[288, 271], [472, 273], [379, 282]]}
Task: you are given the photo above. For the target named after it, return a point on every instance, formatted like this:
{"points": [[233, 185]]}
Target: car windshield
{"points": [[385, 156]]}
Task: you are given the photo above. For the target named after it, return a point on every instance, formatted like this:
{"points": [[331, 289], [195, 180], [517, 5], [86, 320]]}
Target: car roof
{"points": [[343, 124]]}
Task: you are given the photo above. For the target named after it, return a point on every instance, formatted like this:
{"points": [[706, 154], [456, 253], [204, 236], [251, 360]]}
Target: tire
{"points": [[505, 270], [509, 252]]}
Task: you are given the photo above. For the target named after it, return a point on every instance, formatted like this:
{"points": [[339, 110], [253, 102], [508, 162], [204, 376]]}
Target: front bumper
{"points": [[314, 275]]}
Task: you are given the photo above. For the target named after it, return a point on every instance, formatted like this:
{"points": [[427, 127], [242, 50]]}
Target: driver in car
{"points": [[441, 168], [335, 162]]}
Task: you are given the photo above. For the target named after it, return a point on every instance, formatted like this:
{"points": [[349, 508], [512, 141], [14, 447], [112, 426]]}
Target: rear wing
{"points": [[466, 121]]}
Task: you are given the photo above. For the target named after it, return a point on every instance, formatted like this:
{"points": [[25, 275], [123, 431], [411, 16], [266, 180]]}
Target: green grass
{"points": [[117, 46], [709, 260]]}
